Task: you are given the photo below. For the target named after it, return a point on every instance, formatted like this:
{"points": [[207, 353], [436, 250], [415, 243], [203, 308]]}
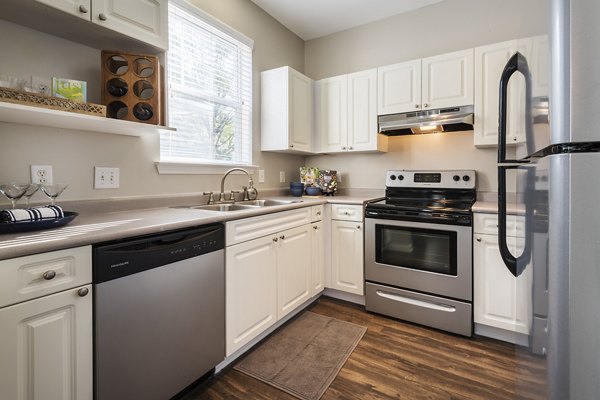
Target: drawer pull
{"points": [[102, 17], [315, 227], [275, 239], [83, 9], [49, 275], [282, 237], [415, 302], [83, 292], [478, 239], [318, 212]]}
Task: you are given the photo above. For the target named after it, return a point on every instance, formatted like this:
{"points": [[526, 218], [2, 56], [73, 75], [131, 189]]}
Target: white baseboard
{"points": [[502, 334]]}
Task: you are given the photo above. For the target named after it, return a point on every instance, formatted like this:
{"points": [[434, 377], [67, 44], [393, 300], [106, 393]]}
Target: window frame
{"points": [[192, 166]]}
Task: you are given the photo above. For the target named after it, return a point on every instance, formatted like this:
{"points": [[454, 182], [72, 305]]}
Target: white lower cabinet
{"points": [[251, 290], [270, 276], [317, 283], [293, 269], [500, 301], [347, 256], [46, 326]]}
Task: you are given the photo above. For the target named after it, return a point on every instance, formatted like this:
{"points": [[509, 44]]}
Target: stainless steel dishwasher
{"points": [[159, 313]]}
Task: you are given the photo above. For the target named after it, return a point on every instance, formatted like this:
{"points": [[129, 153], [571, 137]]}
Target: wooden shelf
{"points": [[38, 116]]}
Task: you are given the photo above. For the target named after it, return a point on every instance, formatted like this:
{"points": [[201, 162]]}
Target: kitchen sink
{"points": [[267, 203], [239, 206]]}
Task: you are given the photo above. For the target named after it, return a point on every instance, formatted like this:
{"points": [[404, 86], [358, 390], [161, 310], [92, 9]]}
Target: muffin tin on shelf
{"points": [[131, 86]]}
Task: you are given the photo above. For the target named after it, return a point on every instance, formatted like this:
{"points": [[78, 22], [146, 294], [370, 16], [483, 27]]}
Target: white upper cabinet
{"points": [[79, 8], [145, 20], [489, 64], [440, 81], [347, 114], [286, 111], [399, 87], [128, 25], [333, 113], [447, 80]]}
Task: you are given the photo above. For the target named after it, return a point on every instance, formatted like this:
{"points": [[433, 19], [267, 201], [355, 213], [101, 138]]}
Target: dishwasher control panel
{"points": [[130, 256]]}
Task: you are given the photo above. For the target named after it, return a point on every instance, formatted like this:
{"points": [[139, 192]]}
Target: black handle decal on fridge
{"points": [[517, 63]]}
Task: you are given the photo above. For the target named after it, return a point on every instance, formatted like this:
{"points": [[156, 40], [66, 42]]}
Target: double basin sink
{"points": [[241, 205]]}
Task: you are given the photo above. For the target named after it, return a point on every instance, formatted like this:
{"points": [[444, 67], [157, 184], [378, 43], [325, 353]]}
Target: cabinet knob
{"points": [[318, 212], [343, 148], [478, 239], [282, 237], [425, 105], [83, 9], [515, 138], [83, 292], [49, 275], [102, 17], [350, 148], [417, 106], [315, 227], [292, 145], [275, 239], [357, 226]]}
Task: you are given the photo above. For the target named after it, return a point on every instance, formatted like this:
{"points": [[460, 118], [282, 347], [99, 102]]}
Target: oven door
{"points": [[426, 257]]}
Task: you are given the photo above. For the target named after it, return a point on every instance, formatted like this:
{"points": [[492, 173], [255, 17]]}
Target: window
{"points": [[209, 76]]}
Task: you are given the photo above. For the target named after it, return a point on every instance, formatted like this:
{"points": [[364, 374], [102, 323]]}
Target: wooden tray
{"points": [[54, 103]]}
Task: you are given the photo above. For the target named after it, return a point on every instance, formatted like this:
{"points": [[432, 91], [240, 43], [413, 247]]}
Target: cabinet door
{"points": [[362, 111], [347, 256], [333, 114], [300, 111], [251, 292], [46, 348], [293, 269], [145, 20], [447, 80], [78, 8], [489, 64], [318, 258], [500, 300], [399, 88]]}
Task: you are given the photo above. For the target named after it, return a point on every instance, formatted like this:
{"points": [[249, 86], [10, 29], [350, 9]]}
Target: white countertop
{"points": [[93, 226]]}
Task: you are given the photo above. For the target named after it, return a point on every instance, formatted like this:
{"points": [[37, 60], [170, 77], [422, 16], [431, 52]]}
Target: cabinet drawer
{"points": [[347, 212], [487, 224], [317, 213], [37, 275], [242, 230]]}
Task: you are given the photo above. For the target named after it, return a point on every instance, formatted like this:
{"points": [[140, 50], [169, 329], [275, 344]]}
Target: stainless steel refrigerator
{"points": [[556, 173]]}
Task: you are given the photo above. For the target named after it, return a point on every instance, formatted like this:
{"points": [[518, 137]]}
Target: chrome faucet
{"points": [[233, 192]]}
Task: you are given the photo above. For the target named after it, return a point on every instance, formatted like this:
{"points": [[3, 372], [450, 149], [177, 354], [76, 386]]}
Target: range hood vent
{"points": [[441, 120]]}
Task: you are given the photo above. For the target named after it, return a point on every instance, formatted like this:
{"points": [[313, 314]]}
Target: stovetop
{"points": [[428, 196]]}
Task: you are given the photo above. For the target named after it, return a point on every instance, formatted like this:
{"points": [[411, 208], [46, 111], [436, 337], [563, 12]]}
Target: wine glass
{"points": [[31, 190], [13, 191], [53, 191]]}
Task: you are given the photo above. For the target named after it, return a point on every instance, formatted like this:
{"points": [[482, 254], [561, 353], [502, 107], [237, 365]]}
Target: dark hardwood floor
{"points": [[398, 360]]}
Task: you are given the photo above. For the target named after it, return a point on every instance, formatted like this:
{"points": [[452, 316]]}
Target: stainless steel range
{"points": [[418, 249]]}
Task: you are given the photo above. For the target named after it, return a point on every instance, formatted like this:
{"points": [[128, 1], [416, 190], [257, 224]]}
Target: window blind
{"points": [[209, 78]]}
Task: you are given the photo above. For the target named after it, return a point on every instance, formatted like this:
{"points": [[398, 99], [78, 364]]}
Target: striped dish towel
{"points": [[31, 214]]}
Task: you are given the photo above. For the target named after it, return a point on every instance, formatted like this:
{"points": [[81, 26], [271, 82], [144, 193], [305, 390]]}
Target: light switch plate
{"points": [[106, 178], [261, 176], [281, 176]]}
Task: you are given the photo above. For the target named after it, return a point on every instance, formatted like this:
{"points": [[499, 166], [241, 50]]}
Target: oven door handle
{"points": [[415, 302]]}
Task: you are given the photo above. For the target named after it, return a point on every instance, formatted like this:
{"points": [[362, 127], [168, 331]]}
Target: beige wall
{"points": [[444, 27], [73, 154]]}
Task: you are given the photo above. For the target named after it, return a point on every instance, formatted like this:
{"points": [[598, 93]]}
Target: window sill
{"points": [[180, 168]]}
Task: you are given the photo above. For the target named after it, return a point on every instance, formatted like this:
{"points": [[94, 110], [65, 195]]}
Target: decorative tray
{"points": [[26, 226], [54, 103]]}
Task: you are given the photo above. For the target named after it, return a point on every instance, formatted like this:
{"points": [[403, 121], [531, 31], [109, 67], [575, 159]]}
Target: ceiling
{"points": [[311, 19]]}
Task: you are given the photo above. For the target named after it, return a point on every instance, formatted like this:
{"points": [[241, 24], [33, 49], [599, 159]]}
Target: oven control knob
{"points": [[393, 177], [456, 178], [466, 178], [401, 177]]}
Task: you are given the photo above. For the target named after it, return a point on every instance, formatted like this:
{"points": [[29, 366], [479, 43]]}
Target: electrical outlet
{"points": [[261, 176], [41, 174], [281, 176], [106, 178]]}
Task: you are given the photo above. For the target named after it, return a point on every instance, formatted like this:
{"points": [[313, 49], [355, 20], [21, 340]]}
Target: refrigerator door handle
{"points": [[517, 62]]}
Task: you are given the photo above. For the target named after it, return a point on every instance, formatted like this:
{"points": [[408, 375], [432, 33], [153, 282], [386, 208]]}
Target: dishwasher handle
{"points": [[127, 257]]}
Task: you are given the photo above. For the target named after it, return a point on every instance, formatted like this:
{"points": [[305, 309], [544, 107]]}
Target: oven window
{"points": [[414, 248]]}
